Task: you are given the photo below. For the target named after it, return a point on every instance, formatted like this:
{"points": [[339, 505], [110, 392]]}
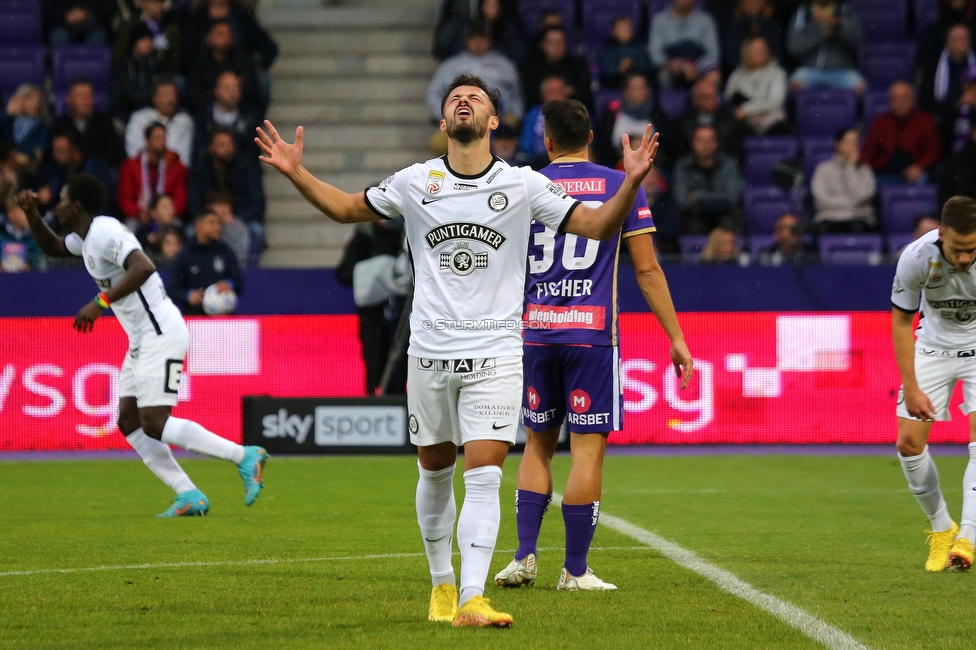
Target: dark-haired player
{"points": [[467, 217], [158, 339], [935, 273], [572, 367]]}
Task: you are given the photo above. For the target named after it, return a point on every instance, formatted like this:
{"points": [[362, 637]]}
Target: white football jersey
{"points": [[925, 279], [468, 238], [148, 310]]}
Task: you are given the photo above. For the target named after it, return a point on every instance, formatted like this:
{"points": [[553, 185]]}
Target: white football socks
{"points": [[436, 513], [191, 436], [159, 459], [477, 528], [968, 522], [923, 482]]}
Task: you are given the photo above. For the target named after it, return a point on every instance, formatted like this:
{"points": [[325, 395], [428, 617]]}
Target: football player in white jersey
{"points": [[936, 273], [158, 339], [467, 217]]}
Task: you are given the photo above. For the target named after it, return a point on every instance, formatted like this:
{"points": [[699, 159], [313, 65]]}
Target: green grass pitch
{"points": [[839, 537]]}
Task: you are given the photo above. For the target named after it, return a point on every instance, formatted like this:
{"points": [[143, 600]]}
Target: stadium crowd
{"points": [[157, 98], [790, 130]]}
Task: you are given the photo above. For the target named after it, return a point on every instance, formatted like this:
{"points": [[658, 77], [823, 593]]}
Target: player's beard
{"points": [[467, 132]]}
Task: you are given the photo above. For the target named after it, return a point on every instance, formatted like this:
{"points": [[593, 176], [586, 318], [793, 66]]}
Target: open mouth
{"points": [[463, 111]]}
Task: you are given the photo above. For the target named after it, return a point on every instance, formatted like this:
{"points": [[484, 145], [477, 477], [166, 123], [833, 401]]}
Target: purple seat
{"points": [[759, 242], [763, 206], [885, 23], [875, 103], [600, 100], [691, 247], [901, 205], [672, 101], [762, 153], [815, 151], [598, 16], [530, 11], [851, 249], [926, 13], [883, 64], [93, 62], [898, 241], [20, 23], [18, 66], [823, 112]]}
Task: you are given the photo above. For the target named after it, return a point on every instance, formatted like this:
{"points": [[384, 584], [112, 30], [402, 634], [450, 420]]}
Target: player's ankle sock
{"points": [[580, 521], [923, 482], [530, 507], [477, 528], [191, 436], [436, 512], [159, 459], [968, 522]]}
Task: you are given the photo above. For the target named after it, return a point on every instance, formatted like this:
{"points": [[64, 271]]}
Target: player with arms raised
{"points": [[572, 366], [467, 217], [935, 273], [158, 339]]}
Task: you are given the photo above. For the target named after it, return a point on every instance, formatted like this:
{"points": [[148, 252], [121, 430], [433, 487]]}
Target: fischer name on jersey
{"points": [[925, 279], [468, 236], [571, 297], [145, 311]]}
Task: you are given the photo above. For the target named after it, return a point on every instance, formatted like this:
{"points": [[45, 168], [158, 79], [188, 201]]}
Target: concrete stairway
{"points": [[355, 78]]}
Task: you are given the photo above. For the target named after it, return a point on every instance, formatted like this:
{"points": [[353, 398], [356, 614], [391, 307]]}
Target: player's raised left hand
{"points": [[284, 157], [85, 319], [684, 364], [637, 162]]}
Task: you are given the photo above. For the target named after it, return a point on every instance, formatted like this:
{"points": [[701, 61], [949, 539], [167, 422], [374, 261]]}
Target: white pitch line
{"points": [[813, 627]]}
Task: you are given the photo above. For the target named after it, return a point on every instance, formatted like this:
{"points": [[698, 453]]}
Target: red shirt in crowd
{"points": [[914, 134], [130, 184]]}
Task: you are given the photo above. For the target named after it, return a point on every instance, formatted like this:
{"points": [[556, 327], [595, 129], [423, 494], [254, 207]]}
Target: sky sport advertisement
{"points": [[760, 378]]}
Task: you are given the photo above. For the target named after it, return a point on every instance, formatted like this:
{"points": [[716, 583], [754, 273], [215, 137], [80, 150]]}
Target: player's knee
{"points": [[908, 447], [128, 422], [152, 425]]}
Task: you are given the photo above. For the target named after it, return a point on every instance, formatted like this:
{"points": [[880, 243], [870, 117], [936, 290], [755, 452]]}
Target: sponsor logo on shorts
{"points": [[456, 365], [532, 397], [412, 424], [539, 417], [579, 401], [574, 186]]}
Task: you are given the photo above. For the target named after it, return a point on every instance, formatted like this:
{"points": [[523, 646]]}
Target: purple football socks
{"points": [[580, 525], [529, 509]]}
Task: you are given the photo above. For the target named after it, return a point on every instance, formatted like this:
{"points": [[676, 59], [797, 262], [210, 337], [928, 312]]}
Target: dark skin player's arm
{"points": [[49, 243], [138, 268]]}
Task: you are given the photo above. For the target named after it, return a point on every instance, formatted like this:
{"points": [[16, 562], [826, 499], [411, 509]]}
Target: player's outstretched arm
{"points": [[49, 243], [605, 221], [329, 200], [903, 337], [138, 267], [654, 286]]}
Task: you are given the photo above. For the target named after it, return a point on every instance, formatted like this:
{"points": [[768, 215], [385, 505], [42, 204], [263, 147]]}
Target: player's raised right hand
{"points": [[284, 157], [27, 200]]}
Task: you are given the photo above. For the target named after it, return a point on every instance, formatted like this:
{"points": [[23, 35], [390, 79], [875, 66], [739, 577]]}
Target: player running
{"points": [[158, 338], [572, 366], [467, 217], [935, 273]]}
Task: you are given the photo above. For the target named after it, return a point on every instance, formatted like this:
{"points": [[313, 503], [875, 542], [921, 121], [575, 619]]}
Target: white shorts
{"points": [[152, 369], [937, 372], [460, 400]]}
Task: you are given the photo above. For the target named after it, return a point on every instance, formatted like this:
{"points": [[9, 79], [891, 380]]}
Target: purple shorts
{"points": [[578, 382]]}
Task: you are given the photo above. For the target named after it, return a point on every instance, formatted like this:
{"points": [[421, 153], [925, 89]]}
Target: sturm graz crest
{"points": [[462, 261]]}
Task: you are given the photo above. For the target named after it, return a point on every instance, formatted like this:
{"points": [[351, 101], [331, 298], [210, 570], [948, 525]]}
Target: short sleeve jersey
{"points": [[926, 280], [146, 311], [571, 295], [468, 236]]}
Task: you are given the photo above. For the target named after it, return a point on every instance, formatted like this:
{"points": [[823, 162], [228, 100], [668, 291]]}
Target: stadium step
{"points": [[378, 160], [277, 186], [348, 112], [320, 233], [360, 88], [354, 64], [290, 258]]}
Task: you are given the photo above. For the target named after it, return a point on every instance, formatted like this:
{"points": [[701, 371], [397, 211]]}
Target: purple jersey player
{"points": [[570, 359]]}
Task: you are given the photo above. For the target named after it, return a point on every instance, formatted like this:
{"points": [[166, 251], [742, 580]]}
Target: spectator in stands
{"points": [[154, 170], [228, 112], [667, 217], [842, 189], [751, 19], [204, 261], [553, 59], [622, 54], [18, 250], [170, 244], [233, 231], [166, 37], [630, 114], [136, 73], [707, 185], [532, 146], [499, 17], [706, 109], [99, 137], [218, 55], [165, 110], [162, 217], [11, 177], [955, 120], [77, 22], [721, 247], [789, 248], [223, 168], [757, 90], [26, 125], [933, 38], [942, 81], [680, 35], [903, 144], [504, 144], [68, 158], [924, 223], [959, 175], [824, 37], [479, 59]]}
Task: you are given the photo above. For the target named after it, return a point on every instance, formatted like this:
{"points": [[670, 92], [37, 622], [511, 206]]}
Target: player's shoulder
{"points": [[924, 248], [104, 226]]}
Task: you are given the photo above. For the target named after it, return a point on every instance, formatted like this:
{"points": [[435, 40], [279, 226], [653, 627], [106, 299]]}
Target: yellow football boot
{"points": [[939, 544], [478, 613], [443, 603], [961, 555]]}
